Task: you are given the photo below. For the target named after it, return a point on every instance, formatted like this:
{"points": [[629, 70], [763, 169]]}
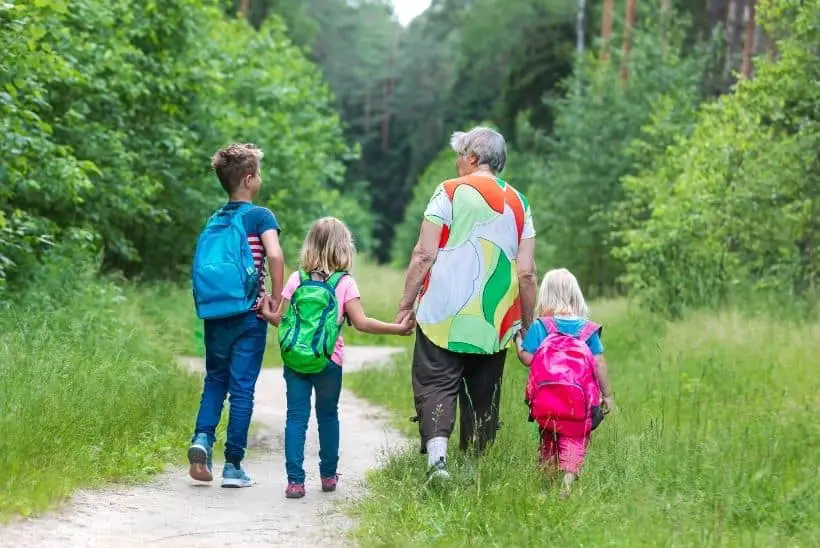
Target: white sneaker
{"points": [[438, 472]]}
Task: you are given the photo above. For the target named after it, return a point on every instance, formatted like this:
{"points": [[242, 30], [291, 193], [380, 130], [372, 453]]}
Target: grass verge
{"points": [[171, 307], [89, 391], [714, 444]]}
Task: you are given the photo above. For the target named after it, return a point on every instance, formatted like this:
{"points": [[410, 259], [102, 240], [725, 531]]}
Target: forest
{"points": [[670, 151]]}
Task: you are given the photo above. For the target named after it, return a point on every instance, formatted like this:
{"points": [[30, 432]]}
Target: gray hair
{"points": [[484, 143]]}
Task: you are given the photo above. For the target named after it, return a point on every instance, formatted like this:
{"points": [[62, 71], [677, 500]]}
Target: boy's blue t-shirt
{"points": [[566, 324], [257, 219]]}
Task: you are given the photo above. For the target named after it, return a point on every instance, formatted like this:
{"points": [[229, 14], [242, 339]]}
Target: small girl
{"points": [[561, 305], [327, 255]]}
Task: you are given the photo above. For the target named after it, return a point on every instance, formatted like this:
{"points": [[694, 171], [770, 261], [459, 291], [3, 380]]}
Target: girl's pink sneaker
{"points": [[329, 484], [295, 490]]}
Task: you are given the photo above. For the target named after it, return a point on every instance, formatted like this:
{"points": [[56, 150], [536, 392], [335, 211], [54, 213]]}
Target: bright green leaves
{"points": [[733, 203], [110, 112]]}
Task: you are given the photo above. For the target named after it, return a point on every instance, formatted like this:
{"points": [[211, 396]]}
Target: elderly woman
{"points": [[473, 274]]}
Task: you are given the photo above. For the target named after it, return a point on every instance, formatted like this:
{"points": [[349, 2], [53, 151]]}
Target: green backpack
{"points": [[309, 328]]}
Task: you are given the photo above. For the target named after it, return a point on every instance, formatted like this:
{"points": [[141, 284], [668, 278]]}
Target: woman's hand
{"points": [[408, 323], [608, 405]]}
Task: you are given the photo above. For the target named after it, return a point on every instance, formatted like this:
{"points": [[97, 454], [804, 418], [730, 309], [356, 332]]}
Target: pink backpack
{"points": [[561, 390]]}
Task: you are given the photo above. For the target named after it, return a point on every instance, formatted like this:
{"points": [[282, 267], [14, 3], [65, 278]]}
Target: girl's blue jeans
{"points": [[300, 386]]}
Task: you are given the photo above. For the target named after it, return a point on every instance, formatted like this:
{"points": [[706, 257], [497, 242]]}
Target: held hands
{"points": [[407, 319], [267, 310], [608, 405]]}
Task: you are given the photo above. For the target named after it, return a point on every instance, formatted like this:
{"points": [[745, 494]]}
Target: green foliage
{"points": [[711, 446], [734, 203], [111, 111], [407, 233], [401, 91], [90, 392], [587, 155]]}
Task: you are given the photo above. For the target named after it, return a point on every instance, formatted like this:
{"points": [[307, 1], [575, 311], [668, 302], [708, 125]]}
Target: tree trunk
{"points": [[629, 23], [245, 8], [732, 37], [749, 40], [665, 5], [579, 46], [367, 113], [606, 28]]}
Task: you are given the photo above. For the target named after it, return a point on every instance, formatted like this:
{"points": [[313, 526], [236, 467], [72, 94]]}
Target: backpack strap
{"points": [[589, 329], [334, 279], [303, 277], [241, 207], [549, 324]]}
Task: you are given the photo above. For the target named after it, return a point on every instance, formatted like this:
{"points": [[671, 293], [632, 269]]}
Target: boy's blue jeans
{"points": [[234, 348], [300, 386]]}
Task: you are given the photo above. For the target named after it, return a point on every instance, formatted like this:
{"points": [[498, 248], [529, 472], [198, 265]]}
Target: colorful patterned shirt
{"points": [[469, 300]]}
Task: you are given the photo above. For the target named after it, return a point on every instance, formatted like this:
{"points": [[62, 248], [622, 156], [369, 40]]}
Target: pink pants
{"points": [[567, 452]]}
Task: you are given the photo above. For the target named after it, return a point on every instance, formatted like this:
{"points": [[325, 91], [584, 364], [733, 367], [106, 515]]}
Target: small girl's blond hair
{"points": [[561, 295], [328, 247]]}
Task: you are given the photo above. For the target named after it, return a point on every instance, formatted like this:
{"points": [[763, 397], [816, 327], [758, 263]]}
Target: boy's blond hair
{"points": [[234, 162], [561, 295], [328, 247]]}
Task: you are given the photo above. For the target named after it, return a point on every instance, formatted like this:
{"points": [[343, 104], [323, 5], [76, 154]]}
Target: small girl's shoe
{"points": [[329, 484], [295, 490]]}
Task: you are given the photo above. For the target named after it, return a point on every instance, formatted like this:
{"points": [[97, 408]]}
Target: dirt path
{"points": [[174, 511]]}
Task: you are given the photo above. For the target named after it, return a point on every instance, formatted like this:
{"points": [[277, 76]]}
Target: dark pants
{"points": [[440, 376], [300, 386], [234, 348]]}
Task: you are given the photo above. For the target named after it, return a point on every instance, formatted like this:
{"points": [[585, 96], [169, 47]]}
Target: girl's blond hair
{"points": [[328, 247], [561, 295]]}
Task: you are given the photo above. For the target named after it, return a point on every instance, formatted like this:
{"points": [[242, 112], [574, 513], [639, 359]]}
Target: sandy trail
{"points": [[173, 510]]}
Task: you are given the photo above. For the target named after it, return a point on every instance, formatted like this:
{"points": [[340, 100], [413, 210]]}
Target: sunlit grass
{"points": [[89, 393], [715, 443]]}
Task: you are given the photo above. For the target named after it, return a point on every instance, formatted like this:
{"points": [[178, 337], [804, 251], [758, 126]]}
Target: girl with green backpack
{"points": [[315, 301]]}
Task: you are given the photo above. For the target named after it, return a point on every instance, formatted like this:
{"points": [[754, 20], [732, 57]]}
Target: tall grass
{"points": [[171, 307], [715, 443], [89, 390]]}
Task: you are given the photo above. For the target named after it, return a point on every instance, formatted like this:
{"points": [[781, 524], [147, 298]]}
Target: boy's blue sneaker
{"points": [[199, 457], [235, 477]]}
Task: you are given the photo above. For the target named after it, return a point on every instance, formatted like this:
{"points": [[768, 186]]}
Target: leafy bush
{"points": [[110, 111], [407, 233], [735, 204], [587, 155]]}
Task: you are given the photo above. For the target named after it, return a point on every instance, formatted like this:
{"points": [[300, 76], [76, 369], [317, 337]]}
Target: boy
{"points": [[234, 345]]}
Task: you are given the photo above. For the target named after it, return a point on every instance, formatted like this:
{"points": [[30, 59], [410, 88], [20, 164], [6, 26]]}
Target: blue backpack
{"points": [[225, 278]]}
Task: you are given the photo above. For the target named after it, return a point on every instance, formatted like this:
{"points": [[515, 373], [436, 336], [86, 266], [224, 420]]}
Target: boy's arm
{"points": [[276, 263]]}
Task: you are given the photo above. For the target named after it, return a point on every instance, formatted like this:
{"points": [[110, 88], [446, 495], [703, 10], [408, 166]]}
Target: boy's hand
{"points": [[268, 311]]}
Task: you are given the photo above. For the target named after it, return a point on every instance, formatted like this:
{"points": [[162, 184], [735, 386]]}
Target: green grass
{"points": [[89, 391], [715, 443], [171, 307]]}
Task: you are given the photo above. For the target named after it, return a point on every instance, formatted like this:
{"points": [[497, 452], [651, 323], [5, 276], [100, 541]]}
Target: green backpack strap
{"points": [[333, 281]]}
